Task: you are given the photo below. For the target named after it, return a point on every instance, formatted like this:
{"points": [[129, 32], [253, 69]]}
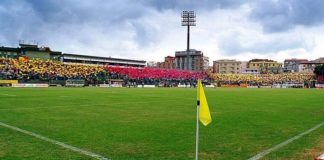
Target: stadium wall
{"points": [[320, 79]]}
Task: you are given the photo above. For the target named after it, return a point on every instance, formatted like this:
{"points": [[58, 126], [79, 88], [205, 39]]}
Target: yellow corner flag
{"points": [[204, 114]]}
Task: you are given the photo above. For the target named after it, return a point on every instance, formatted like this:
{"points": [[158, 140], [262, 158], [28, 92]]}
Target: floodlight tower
{"points": [[188, 19]]}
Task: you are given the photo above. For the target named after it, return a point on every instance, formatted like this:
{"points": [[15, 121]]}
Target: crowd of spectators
{"points": [[27, 70], [263, 78], [31, 70], [154, 76]]}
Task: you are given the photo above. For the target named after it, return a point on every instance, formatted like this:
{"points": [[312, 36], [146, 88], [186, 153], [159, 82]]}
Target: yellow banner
{"points": [[8, 81]]}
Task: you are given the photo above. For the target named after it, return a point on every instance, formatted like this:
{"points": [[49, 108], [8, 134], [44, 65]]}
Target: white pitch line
{"points": [[31, 108], [72, 148], [9, 95], [265, 152], [82, 105]]}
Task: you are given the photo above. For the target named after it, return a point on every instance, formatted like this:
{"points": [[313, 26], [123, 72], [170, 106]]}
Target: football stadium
{"points": [[57, 110], [56, 105]]}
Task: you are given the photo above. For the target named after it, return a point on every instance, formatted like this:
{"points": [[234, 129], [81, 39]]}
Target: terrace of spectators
{"points": [[26, 70]]}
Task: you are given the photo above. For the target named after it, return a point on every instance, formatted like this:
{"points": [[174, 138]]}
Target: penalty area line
{"points": [[265, 152], [63, 145]]}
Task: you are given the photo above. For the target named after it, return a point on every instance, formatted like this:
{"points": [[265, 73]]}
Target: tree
{"points": [[319, 70]]}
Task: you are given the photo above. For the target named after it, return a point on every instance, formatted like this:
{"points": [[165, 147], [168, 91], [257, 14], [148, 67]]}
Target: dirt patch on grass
{"points": [[2, 150], [314, 152], [205, 155]]}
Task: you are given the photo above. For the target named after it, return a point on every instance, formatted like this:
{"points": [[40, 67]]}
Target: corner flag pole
{"points": [[197, 129], [203, 113]]}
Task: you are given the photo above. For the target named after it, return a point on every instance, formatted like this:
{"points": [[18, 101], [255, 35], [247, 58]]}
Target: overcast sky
{"points": [[151, 29]]}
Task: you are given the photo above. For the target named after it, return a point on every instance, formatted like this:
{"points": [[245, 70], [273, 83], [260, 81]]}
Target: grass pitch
{"points": [[136, 124]]}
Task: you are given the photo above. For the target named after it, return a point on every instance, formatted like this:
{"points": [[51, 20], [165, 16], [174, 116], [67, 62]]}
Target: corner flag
{"points": [[204, 114]]}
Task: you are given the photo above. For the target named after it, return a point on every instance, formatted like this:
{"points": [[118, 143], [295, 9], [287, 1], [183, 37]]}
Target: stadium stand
{"points": [[263, 79], [37, 70], [49, 71], [46, 71], [154, 76]]}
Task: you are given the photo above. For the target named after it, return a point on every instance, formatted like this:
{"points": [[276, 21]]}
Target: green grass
{"points": [[136, 124]]}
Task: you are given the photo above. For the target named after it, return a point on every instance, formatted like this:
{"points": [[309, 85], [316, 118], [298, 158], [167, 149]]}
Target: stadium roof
{"points": [[192, 52], [102, 59], [9, 49]]}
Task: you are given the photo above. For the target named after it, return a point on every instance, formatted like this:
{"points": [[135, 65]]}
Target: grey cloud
{"points": [[235, 44], [38, 19], [193, 4], [282, 15], [111, 26], [144, 34], [17, 20], [87, 11], [35, 17]]}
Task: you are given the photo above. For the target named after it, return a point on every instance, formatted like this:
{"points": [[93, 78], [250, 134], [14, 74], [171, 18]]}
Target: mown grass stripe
{"points": [[72, 148], [8, 95], [84, 105], [276, 147]]}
